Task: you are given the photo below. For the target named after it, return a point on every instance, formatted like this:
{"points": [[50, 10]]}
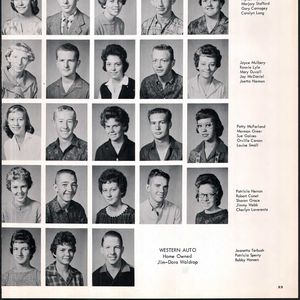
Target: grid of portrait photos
{"points": [[115, 117]]}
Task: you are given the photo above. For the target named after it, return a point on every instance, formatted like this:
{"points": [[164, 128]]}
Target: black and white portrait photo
{"points": [[67, 69], [115, 69], [66, 194], [66, 132], [115, 269], [113, 195], [208, 69], [113, 132], [208, 17], [115, 17], [66, 257], [21, 17], [21, 194], [207, 196], [160, 194], [161, 136], [21, 69], [68, 17], [207, 133], [161, 69], [21, 131], [162, 17], [21, 257]]}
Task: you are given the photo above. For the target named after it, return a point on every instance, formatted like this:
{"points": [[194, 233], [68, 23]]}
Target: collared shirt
{"points": [[73, 214], [199, 26], [151, 87], [66, 22], [79, 89], [25, 87], [15, 26], [219, 154], [107, 152], [76, 151], [115, 93], [149, 151], [220, 217], [127, 91], [104, 26], [216, 89], [125, 277], [12, 151], [30, 212], [173, 25], [168, 213], [53, 278]]}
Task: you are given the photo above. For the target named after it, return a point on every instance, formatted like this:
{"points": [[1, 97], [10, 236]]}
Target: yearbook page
{"points": [[149, 149]]}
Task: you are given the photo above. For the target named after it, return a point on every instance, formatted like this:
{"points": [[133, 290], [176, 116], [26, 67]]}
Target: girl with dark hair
{"points": [[113, 186], [207, 60], [22, 248], [213, 21], [26, 20], [22, 144], [209, 194], [119, 86], [211, 149]]}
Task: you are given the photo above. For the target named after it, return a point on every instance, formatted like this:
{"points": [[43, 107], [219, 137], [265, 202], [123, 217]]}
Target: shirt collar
{"points": [[124, 267], [124, 81], [173, 144], [69, 18], [167, 21], [74, 141], [171, 81], [22, 81]]}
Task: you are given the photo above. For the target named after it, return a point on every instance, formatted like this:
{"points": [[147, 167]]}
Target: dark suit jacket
{"points": [[80, 24]]}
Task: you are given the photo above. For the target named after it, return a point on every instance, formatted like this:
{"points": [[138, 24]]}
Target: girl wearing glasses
{"points": [[209, 194], [211, 148]]}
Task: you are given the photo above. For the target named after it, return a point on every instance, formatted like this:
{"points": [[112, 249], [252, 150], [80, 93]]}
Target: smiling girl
{"points": [[113, 186], [108, 22], [26, 21], [211, 149], [16, 81], [22, 247], [21, 135], [21, 209]]}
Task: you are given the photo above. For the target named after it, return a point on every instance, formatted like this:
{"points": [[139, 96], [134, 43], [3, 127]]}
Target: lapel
{"points": [[55, 24], [77, 23]]}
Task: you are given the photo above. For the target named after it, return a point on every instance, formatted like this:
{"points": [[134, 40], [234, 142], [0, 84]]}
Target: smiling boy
{"points": [[164, 21], [60, 272], [67, 146], [63, 209], [70, 20], [116, 271], [156, 209], [165, 83], [70, 84], [164, 146]]}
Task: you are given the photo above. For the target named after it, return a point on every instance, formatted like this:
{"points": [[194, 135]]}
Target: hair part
{"points": [[161, 110], [158, 173], [117, 113], [18, 173], [112, 233], [17, 108], [113, 175], [206, 113], [213, 181], [61, 238], [68, 47], [65, 108], [23, 236], [116, 50], [209, 51], [33, 3], [166, 48]]}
